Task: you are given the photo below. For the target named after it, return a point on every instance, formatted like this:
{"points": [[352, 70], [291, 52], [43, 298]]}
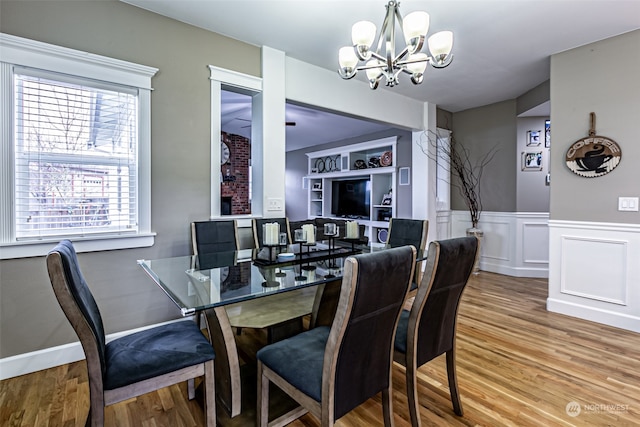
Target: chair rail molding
{"points": [[594, 272], [514, 243]]}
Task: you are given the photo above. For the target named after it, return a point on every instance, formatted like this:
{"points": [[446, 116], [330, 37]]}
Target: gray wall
{"points": [[602, 78], [480, 130], [533, 97], [297, 167], [444, 119], [30, 318], [532, 194]]}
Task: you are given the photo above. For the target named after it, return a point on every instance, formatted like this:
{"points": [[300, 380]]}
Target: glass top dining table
{"points": [[196, 283]]}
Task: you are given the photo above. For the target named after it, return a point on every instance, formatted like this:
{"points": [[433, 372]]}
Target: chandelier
{"points": [[384, 61]]}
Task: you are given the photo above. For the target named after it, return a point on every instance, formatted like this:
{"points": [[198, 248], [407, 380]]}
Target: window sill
{"points": [[81, 244]]}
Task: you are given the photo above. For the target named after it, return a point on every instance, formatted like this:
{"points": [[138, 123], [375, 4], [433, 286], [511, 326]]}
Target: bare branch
{"points": [[468, 175]]}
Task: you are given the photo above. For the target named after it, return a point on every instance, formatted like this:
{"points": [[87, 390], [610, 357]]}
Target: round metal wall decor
{"points": [[593, 156]]}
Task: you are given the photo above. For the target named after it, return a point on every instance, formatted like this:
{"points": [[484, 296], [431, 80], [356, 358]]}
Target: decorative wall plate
{"points": [[360, 164], [386, 159], [593, 156], [374, 162]]}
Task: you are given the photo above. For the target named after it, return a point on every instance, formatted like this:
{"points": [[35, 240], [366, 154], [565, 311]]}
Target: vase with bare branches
{"points": [[467, 173]]}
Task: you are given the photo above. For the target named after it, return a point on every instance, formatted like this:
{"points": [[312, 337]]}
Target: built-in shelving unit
{"points": [[372, 160]]}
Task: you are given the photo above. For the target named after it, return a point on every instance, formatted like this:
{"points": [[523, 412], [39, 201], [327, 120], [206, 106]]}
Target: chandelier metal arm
{"points": [[383, 36]]}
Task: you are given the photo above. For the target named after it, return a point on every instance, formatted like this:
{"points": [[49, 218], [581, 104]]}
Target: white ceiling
{"points": [[501, 47], [308, 126]]}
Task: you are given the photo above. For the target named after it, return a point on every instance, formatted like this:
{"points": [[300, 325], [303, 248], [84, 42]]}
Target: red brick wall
{"points": [[238, 166]]}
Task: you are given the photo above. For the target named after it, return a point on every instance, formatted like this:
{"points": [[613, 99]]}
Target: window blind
{"points": [[76, 155]]}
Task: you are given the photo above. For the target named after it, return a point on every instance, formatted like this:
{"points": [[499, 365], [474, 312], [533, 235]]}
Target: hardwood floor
{"points": [[518, 365]]}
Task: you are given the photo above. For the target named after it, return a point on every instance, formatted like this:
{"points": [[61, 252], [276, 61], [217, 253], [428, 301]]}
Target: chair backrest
{"points": [[209, 237], [358, 356], [432, 320], [408, 232], [79, 306], [257, 229]]}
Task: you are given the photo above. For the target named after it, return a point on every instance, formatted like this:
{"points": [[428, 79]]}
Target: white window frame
{"points": [[17, 51], [220, 77]]}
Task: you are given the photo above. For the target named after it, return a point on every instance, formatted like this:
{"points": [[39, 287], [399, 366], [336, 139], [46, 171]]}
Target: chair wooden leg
{"points": [[95, 418], [262, 407], [209, 394], [191, 388], [412, 396], [91, 422], [387, 406], [227, 366], [453, 382]]}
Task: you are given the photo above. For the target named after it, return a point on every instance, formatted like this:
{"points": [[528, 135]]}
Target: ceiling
{"points": [[307, 127], [501, 47]]}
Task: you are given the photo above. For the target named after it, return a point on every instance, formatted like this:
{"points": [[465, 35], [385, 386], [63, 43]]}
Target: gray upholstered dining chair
{"points": [[134, 364], [257, 229], [214, 236], [414, 232], [429, 328], [331, 370]]}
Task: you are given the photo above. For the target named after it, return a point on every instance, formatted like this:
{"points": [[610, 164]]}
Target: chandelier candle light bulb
{"points": [[415, 27], [363, 33], [440, 44]]}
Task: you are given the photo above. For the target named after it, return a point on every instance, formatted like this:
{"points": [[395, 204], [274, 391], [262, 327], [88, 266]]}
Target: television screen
{"points": [[351, 198]]}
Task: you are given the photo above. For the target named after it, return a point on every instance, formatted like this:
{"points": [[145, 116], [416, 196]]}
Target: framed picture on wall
{"points": [[547, 133], [533, 137], [532, 160]]}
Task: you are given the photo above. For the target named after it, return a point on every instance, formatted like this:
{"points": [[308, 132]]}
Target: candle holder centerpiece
{"points": [[272, 239], [352, 233]]}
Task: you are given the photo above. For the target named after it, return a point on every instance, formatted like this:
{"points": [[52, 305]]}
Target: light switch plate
{"points": [[628, 204], [274, 204]]}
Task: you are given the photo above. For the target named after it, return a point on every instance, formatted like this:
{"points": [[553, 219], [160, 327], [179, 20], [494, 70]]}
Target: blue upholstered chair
{"points": [[429, 329], [134, 364], [409, 232], [331, 370]]}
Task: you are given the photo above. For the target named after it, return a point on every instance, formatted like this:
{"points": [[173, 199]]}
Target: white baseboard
{"points": [[606, 317], [538, 273], [27, 363]]}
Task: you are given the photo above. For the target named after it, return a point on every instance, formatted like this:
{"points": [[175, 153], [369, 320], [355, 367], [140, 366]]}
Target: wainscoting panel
{"points": [[594, 268], [514, 243], [535, 243], [594, 272]]}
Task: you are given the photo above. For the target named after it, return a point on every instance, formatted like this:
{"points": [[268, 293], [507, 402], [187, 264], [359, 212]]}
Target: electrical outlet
{"points": [[628, 204], [274, 204]]}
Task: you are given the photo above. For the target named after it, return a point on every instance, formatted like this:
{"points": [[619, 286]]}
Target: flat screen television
{"points": [[351, 198]]}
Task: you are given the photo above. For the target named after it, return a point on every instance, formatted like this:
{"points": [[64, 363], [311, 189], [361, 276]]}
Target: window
{"points": [[236, 154], [237, 140], [75, 157], [75, 149]]}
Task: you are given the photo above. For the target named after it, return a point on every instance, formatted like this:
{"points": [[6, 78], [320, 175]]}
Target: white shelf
{"points": [[350, 173], [383, 179]]}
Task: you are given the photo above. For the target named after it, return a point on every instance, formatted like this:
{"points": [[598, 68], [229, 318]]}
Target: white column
{"points": [[271, 175], [423, 172]]}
